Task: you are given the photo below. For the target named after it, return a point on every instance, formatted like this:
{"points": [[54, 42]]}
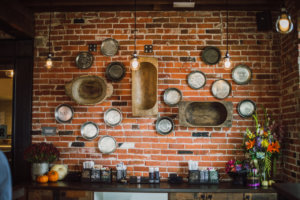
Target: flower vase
{"points": [[38, 169]]}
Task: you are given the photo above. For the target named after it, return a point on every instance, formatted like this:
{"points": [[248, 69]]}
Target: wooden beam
{"points": [[157, 5], [16, 19]]}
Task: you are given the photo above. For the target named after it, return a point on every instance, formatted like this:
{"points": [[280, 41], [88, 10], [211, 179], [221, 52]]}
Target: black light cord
{"points": [[227, 27], [49, 31], [134, 26]]}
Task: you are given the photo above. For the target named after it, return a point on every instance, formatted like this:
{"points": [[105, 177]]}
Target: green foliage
{"points": [[268, 164]]}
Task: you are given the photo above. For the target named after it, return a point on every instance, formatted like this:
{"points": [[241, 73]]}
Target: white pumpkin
{"points": [[62, 171], [265, 183]]}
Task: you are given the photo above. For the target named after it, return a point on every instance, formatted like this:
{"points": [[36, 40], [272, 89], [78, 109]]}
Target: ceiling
{"points": [[158, 5], [17, 16]]}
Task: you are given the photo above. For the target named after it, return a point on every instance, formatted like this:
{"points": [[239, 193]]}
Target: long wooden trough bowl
{"points": [[205, 114], [144, 88]]}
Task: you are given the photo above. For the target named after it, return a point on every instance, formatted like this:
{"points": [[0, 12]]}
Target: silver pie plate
{"points": [[172, 96], [89, 130], [84, 60], [164, 125], [109, 47], [107, 144], [241, 74], [115, 71], [64, 110], [221, 89], [246, 108], [196, 79], [112, 117]]}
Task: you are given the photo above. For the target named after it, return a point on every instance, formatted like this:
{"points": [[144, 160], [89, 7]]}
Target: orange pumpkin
{"points": [[42, 179], [53, 176]]}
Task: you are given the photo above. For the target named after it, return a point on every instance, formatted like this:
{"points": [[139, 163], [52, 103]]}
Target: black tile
{"points": [[184, 152], [77, 144], [200, 134]]}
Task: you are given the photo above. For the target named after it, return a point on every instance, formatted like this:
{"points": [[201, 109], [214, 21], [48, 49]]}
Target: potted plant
{"points": [[237, 171], [40, 155]]}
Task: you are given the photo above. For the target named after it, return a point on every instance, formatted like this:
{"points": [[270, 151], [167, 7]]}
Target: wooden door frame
{"points": [[18, 54]]}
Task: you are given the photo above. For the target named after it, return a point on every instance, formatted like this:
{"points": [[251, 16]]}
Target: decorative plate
{"points": [[64, 113], [115, 71], [246, 108], [89, 130], [241, 74], [84, 60], [211, 55], [107, 144], [109, 47], [112, 117], [164, 125], [221, 89], [196, 79], [172, 96]]}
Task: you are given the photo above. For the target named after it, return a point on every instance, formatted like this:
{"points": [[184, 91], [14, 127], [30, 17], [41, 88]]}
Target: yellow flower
{"points": [[250, 135], [265, 143]]}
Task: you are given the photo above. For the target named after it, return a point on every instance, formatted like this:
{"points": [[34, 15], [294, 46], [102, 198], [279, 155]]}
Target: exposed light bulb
{"points": [[227, 62], [135, 64], [9, 73], [49, 62], [284, 23]]}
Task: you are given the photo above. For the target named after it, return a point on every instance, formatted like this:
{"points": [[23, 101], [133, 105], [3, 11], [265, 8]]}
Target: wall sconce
{"points": [[284, 23], [134, 63]]}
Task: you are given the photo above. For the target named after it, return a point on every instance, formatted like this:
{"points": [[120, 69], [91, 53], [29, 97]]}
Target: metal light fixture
{"points": [[134, 63], [9, 73], [284, 23], [49, 62], [227, 62], [184, 4]]}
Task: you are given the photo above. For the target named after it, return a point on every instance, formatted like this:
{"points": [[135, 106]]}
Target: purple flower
{"points": [[258, 142]]}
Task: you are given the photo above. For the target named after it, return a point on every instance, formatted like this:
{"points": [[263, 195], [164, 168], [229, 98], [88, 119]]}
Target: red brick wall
{"points": [[173, 35], [290, 101]]}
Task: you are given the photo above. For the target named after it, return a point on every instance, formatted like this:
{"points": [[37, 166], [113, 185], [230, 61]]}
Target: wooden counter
{"points": [[85, 191], [289, 191]]}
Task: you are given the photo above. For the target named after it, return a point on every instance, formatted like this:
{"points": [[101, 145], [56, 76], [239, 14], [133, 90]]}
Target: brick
{"points": [[174, 35]]}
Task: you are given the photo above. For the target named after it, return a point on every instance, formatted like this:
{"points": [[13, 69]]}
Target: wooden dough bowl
{"points": [[205, 114], [144, 88], [88, 90]]}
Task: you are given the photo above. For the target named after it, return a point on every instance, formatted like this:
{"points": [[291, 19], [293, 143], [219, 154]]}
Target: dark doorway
{"points": [[17, 55]]}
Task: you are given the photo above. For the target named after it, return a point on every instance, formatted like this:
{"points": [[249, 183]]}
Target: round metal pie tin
{"points": [[109, 47], [211, 55], [115, 71], [84, 60], [172, 96], [164, 125], [246, 108]]}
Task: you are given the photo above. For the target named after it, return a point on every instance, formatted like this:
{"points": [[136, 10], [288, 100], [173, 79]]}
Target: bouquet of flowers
{"points": [[263, 144], [233, 166], [237, 170], [41, 152]]}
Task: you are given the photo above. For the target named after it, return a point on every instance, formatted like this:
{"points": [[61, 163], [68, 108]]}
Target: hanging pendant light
{"points": [[284, 23], [134, 63], [49, 62], [227, 62]]}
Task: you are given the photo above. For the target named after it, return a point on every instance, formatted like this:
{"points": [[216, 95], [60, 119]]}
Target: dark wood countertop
{"points": [[289, 191], [158, 188]]}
